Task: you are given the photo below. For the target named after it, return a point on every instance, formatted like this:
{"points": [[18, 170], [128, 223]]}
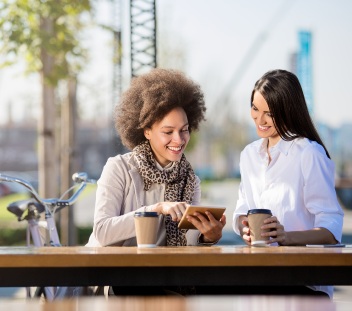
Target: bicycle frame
{"points": [[33, 229]]}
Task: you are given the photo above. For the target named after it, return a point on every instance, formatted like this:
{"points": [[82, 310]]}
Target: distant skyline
{"points": [[216, 36]]}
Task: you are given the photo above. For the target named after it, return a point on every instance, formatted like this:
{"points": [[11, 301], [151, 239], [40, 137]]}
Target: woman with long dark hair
{"points": [[288, 171]]}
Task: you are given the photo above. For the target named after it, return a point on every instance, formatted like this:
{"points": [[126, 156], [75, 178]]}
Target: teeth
{"points": [[263, 127], [175, 149]]}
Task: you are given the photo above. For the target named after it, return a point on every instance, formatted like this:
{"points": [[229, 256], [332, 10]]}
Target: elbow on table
{"points": [[100, 233]]}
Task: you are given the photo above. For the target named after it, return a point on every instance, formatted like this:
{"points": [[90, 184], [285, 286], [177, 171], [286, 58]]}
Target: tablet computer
{"points": [[217, 212]]}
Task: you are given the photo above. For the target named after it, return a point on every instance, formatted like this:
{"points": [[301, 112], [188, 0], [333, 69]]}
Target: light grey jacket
{"points": [[119, 195]]}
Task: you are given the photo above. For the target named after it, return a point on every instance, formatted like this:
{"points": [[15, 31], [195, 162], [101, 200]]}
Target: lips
{"points": [[263, 128], [175, 149]]}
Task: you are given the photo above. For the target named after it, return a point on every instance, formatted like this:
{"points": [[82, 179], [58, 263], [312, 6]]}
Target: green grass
{"points": [[6, 200], [88, 190]]}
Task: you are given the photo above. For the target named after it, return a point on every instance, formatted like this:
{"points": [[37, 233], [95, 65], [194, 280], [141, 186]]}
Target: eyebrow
{"points": [[258, 109], [171, 127]]}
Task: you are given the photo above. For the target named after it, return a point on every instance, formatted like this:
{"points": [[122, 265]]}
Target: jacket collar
{"points": [[137, 181]]}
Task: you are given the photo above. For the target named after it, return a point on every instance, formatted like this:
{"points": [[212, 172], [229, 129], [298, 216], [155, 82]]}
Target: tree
{"points": [[46, 34]]}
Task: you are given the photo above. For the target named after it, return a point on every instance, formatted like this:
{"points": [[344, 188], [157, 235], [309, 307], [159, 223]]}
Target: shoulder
{"points": [[197, 181], [312, 154], [310, 148], [118, 166], [252, 147], [123, 161]]}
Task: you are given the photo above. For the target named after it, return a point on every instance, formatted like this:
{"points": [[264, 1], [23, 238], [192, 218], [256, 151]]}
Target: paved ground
{"points": [[223, 193]]}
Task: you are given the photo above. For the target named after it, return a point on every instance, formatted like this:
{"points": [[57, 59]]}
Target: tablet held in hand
{"points": [[216, 211]]}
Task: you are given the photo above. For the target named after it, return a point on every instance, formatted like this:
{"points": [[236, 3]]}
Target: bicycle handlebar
{"points": [[77, 177]]}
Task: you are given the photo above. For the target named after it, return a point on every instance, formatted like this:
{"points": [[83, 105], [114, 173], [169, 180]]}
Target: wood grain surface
{"points": [[210, 303], [234, 256]]}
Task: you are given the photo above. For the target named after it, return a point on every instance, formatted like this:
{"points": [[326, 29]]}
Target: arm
{"points": [[320, 199], [240, 220], [313, 236], [110, 227], [243, 228], [209, 229], [319, 236]]}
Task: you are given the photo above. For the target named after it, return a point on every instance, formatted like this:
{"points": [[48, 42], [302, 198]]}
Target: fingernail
{"points": [[207, 212]]}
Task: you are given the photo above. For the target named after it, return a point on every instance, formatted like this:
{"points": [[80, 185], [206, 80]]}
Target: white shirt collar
{"points": [[166, 168], [282, 145]]}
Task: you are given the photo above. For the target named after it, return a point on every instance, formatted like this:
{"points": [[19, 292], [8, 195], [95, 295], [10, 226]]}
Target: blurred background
{"points": [[64, 65]]}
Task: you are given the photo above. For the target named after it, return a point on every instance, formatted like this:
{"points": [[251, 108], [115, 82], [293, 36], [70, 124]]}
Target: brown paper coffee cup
{"points": [[256, 219], [146, 228]]}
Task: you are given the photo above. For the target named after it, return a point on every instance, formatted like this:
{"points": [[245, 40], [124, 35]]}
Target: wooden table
{"points": [[248, 303], [171, 266]]}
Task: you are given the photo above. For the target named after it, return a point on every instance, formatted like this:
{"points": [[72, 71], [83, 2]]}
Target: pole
{"points": [[46, 125], [68, 161]]}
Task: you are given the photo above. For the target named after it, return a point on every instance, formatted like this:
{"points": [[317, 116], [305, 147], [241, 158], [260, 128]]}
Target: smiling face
{"points": [[263, 119], [169, 137]]}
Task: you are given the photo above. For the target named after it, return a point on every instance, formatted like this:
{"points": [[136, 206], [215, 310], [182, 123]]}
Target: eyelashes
{"points": [[256, 109], [169, 133]]}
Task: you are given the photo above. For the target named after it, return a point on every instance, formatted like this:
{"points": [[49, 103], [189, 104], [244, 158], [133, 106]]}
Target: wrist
{"points": [[156, 208], [288, 239]]}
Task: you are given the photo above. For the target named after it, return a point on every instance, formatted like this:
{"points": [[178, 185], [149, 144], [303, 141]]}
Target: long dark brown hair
{"points": [[284, 95]]}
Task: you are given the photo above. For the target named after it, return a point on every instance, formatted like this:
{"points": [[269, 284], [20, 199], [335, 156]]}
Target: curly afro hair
{"points": [[152, 96]]}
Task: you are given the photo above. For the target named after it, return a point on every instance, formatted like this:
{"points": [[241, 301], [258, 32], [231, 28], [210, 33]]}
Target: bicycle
{"points": [[34, 207]]}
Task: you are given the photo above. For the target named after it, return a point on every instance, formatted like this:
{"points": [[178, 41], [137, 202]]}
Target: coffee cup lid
{"points": [[146, 214], [259, 211]]}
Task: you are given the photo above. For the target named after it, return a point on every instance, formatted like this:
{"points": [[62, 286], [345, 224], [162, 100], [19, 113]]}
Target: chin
{"points": [[173, 158], [264, 135]]}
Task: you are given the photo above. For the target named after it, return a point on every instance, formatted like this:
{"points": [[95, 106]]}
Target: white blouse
{"points": [[298, 186]]}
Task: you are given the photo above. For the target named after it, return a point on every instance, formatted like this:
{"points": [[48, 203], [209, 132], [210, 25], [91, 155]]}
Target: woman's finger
{"points": [[276, 240], [173, 214], [178, 212], [212, 219], [271, 233], [245, 222], [246, 237], [270, 219], [270, 226], [182, 207], [223, 220], [198, 224], [205, 221], [246, 230]]}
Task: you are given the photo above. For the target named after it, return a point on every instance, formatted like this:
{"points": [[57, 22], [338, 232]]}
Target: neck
{"points": [[162, 163], [273, 140]]}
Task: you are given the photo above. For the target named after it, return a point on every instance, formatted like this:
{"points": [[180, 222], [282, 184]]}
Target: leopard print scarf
{"points": [[180, 183]]}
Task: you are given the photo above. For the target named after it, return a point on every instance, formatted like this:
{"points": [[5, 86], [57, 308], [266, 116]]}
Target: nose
{"points": [[261, 119], [177, 138]]}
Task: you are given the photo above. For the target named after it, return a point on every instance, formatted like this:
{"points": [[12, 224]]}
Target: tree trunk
{"points": [[68, 161], [46, 125]]}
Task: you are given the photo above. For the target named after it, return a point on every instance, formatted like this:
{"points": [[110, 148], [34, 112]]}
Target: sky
{"points": [[214, 37]]}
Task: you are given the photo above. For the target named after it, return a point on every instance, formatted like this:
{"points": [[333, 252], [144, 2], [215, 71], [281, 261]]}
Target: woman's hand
{"points": [[210, 228], [277, 232], [175, 209], [244, 229]]}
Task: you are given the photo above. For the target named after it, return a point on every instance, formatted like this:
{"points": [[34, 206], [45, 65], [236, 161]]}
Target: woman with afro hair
{"points": [[154, 119]]}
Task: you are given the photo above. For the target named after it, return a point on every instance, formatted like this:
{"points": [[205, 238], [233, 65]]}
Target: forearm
{"points": [[318, 236]]}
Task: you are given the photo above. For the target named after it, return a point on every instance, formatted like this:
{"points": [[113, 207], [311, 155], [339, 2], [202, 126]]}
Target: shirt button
{"points": [[268, 186]]}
